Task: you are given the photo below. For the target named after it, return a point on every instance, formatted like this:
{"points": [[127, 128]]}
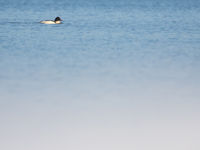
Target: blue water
{"points": [[115, 75]]}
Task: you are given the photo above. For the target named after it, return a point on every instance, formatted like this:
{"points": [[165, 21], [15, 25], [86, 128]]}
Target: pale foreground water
{"points": [[116, 75]]}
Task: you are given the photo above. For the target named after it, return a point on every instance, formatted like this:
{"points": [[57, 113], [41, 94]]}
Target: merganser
{"points": [[56, 21]]}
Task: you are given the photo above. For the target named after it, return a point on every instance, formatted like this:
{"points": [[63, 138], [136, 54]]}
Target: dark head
{"points": [[58, 19]]}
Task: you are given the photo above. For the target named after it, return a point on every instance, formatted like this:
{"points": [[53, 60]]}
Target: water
{"points": [[115, 75]]}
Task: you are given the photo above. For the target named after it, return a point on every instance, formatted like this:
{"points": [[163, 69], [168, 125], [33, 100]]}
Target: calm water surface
{"points": [[115, 75]]}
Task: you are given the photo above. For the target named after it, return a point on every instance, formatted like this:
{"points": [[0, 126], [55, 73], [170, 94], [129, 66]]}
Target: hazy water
{"points": [[115, 75]]}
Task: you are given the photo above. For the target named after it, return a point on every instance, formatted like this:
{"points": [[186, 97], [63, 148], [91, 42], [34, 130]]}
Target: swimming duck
{"points": [[56, 21]]}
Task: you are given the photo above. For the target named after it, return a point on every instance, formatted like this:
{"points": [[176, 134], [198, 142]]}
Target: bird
{"points": [[56, 21]]}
